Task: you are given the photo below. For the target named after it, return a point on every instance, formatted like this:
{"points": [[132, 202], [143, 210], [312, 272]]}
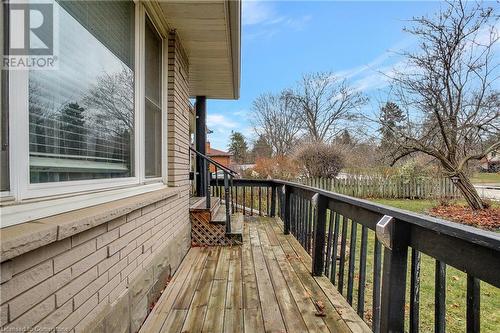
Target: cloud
{"points": [[221, 130], [376, 74], [263, 20], [257, 12], [298, 23], [218, 121], [242, 113]]}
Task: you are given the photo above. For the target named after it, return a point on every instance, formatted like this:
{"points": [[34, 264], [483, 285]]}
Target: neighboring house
{"points": [[491, 162], [95, 159], [245, 167], [219, 156]]}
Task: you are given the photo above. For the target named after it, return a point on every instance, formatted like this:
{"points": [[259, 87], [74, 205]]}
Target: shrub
{"points": [[275, 167], [414, 170], [320, 160]]}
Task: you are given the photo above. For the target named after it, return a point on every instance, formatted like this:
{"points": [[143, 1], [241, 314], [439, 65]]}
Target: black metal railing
{"points": [[344, 234], [223, 190], [250, 197]]}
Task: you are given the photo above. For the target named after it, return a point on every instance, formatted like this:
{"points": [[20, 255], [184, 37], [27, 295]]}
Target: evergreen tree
{"points": [[262, 148], [73, 129], [39, 126], [238, 147], [391, 118], [344, 138]]}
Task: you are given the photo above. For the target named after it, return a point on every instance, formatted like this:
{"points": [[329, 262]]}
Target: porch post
{"points": [[320, 204], [392, 307], [286, 209], [201, 139]]}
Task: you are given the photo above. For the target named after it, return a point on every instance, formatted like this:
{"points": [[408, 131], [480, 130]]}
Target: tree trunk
{"points": [[469, 192]]}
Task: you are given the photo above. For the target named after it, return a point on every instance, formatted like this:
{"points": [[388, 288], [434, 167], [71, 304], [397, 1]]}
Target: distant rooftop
{"points": [[216, 152]]}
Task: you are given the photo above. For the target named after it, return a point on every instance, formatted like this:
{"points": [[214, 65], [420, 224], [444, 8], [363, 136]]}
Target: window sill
{"points": [[88, 211]]}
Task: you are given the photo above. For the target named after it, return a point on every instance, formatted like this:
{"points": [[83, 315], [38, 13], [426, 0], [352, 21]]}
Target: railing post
{"points": [[273, 201], [226, 199], [231, 186], [208, 178], [394, 236], [320, 204], [201, 139], [286, 210]]}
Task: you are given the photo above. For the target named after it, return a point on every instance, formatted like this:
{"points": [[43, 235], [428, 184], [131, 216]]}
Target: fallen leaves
{"points": [[320, 309], [488, 218]]}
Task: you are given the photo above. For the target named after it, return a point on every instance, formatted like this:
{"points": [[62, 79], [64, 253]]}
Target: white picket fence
{"points": [[389, 188]]}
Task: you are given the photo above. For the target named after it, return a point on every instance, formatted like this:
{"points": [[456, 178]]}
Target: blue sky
{"points": [[281, 40]]}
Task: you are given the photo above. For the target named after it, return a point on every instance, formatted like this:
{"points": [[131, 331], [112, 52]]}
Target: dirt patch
{"points": [[486, 219]]}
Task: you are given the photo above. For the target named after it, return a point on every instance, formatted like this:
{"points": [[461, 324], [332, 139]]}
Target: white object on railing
{"points": [[384, 231]]}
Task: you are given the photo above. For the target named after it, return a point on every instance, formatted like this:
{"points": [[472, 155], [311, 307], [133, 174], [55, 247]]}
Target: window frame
{"points": [[20, 187], [5, 79], [163, 95]]}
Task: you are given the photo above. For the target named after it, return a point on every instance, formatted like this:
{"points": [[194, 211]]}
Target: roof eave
{"points": [[235, 31]]}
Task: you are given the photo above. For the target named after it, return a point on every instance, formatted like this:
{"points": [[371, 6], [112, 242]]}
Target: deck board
{"points": [[264, 285]]}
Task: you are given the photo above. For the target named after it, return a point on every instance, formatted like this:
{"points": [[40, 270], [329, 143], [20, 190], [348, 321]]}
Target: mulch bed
{"points": [[486, 219]]}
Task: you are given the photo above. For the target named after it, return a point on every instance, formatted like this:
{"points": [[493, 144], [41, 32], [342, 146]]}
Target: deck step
{"points": [[236, 224], [220, 215], [236, 221], [199, 204]]}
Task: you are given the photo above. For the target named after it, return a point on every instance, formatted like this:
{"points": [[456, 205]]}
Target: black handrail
{"points": [[228, 180], [465, 232], [320, 220], [217, 164]]}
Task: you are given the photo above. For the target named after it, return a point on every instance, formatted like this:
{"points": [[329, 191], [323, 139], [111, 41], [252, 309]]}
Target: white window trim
{"points": [[163, 97], [20, 188], [37, 209]]}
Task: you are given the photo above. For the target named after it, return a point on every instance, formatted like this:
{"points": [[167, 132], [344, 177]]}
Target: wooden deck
{"points": [[264, 285]]}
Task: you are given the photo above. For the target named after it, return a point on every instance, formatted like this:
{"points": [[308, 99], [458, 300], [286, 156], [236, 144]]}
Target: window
{"points": [[95, 121], [81, 115], [4, 117], [153, 116]]}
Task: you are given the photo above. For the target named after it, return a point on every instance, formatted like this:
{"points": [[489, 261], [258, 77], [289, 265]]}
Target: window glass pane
{"points": [[153, 101], [4, 119], [82, 114]]}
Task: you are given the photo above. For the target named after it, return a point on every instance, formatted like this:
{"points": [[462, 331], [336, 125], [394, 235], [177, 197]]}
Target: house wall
{"points": [[178, 117], [103, 276], [224, 160]]}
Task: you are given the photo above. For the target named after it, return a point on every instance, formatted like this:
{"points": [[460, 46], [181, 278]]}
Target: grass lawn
{"points": [[486, 178], [455, 288], [420, 206], [417, 206]]}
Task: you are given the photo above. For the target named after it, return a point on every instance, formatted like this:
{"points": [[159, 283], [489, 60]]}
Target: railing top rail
{"points": [[470, 234], [224, 168], [254, 182]]}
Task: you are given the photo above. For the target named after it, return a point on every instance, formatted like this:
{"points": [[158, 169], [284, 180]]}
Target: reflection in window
{"points": [[81, 115], [153, 102]]}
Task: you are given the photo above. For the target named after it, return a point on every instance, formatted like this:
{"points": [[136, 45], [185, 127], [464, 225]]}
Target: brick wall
{"points": [[67, 284], [178, 116], [104, 279]]}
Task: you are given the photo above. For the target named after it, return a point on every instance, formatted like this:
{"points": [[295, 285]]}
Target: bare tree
{"points": [[325, 103], [276, 120], [447, 88], [112, 101]]}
